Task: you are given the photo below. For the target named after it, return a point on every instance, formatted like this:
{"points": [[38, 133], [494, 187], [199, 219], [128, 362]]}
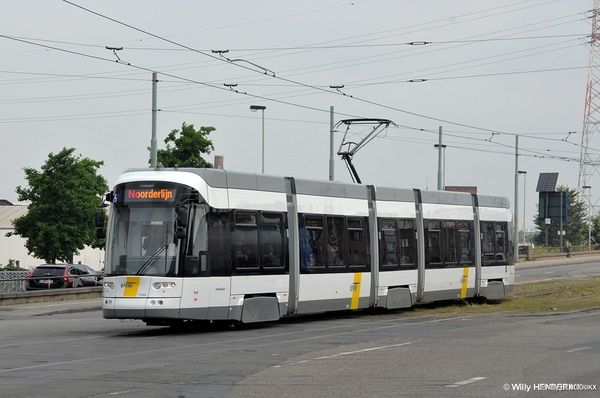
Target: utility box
{"points": [[525, 251]]}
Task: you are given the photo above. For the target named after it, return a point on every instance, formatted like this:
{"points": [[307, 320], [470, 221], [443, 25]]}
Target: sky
{"points": [[484, 72]]}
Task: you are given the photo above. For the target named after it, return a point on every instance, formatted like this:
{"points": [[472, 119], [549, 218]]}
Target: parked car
{"points": [[58, 276], [94, 278]]}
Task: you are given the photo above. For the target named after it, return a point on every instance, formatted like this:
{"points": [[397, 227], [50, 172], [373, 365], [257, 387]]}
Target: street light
{"points": [[255, 108], [524, 195], [589, 188]]}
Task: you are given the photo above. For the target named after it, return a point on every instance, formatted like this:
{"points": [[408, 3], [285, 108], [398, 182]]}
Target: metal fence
{"points": [[13, 281], [573, 249]]}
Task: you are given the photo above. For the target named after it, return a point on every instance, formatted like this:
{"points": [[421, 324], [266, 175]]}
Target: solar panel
{"points": [[547, 182]]}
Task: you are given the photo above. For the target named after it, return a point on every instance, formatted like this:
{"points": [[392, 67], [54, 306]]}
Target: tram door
{"points": [[203, 296]]}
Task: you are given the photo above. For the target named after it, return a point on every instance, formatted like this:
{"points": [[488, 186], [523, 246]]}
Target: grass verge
{"points": [[541, 297]]}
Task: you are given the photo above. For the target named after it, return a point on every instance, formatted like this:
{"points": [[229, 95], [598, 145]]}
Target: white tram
{"points": [[209, 244]]}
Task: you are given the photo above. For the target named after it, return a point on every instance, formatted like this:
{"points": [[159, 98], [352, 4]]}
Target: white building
{"points": [[13, 248]]}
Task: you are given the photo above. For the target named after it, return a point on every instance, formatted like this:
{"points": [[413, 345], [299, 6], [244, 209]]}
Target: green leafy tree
{"points": [[188, 146], [595, 230], [575, 227], [63, 198]]}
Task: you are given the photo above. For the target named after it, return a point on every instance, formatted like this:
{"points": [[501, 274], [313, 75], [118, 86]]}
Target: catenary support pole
{"points": [[440, 174], [153, 148], [331, 130], [516, 213]]}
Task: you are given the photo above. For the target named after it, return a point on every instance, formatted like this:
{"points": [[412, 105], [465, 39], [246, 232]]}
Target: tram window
{"points": [[356, 242], [465, 246], [501, 247], [394, 255], [433, 237], [407, 244], [335, 242], [311, 244], [219, 242], [245, 241], [494, 247], [271, 240], [388, 244], [197, 242], [449, 243], [487, 242]]}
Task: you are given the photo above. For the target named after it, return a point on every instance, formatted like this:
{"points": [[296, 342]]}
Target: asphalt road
{"points": [[577, 267], [66, 349], [396, 354]]}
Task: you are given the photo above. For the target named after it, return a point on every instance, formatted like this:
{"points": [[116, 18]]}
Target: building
{"points": [[13, 248]]}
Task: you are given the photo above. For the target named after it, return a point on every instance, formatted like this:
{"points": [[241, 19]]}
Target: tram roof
{"points": [[220, 178]]}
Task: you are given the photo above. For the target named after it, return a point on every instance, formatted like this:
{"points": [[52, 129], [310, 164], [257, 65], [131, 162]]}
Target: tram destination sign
{"points": [[149, 195]]}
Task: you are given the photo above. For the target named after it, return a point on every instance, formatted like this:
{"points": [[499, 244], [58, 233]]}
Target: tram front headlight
{"points": [[110, 285], [160, 285]]}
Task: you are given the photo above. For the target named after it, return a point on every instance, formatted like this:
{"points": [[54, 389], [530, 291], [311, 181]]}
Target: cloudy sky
{"points": [[483, 71]]}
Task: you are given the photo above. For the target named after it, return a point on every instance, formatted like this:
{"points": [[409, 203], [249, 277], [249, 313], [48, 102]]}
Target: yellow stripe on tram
{"points": [[355, 291], [132, 284], [465, 282]]}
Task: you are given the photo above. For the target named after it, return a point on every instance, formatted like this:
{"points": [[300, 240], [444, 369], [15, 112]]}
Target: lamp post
{"points": [[589, 188], [255, 108], [524, 195]]}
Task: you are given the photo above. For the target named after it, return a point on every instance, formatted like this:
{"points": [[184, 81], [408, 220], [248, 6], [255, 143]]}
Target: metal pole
{"points": [[439, 176], [524, 201], [560, 223], [153, 148], [331, 164], [263, 141], [589, 188], [444, 168], [524, 205], [516, 214], [590, 219]]}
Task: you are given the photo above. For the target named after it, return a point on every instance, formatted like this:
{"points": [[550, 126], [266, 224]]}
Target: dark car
{"points": [[58, 276], [93, 277]]}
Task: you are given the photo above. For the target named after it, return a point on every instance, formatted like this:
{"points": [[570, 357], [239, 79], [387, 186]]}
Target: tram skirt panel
{"points": [[260, 309], [399, 297]]}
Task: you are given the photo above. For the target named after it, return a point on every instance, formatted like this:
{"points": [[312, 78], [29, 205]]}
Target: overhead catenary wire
{"points": [[427, 79], [278, 77], [104, 59], [310, 86]]}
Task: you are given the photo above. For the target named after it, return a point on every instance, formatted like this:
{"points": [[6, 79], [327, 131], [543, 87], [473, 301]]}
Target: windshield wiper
{"points": [[152, 260]]}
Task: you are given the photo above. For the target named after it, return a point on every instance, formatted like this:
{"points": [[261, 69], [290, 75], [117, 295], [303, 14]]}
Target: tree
{"points": [[189, 145], [63, 198], [575, 227], [595, 230]]}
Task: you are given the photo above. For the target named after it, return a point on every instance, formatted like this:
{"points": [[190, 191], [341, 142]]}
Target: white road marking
{"points": [[462, 383], [579, 349], [365, 350], [347, 353]]}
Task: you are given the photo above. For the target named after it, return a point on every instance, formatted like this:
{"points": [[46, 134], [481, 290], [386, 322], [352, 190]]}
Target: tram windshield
{"points": [[141, 232]]}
